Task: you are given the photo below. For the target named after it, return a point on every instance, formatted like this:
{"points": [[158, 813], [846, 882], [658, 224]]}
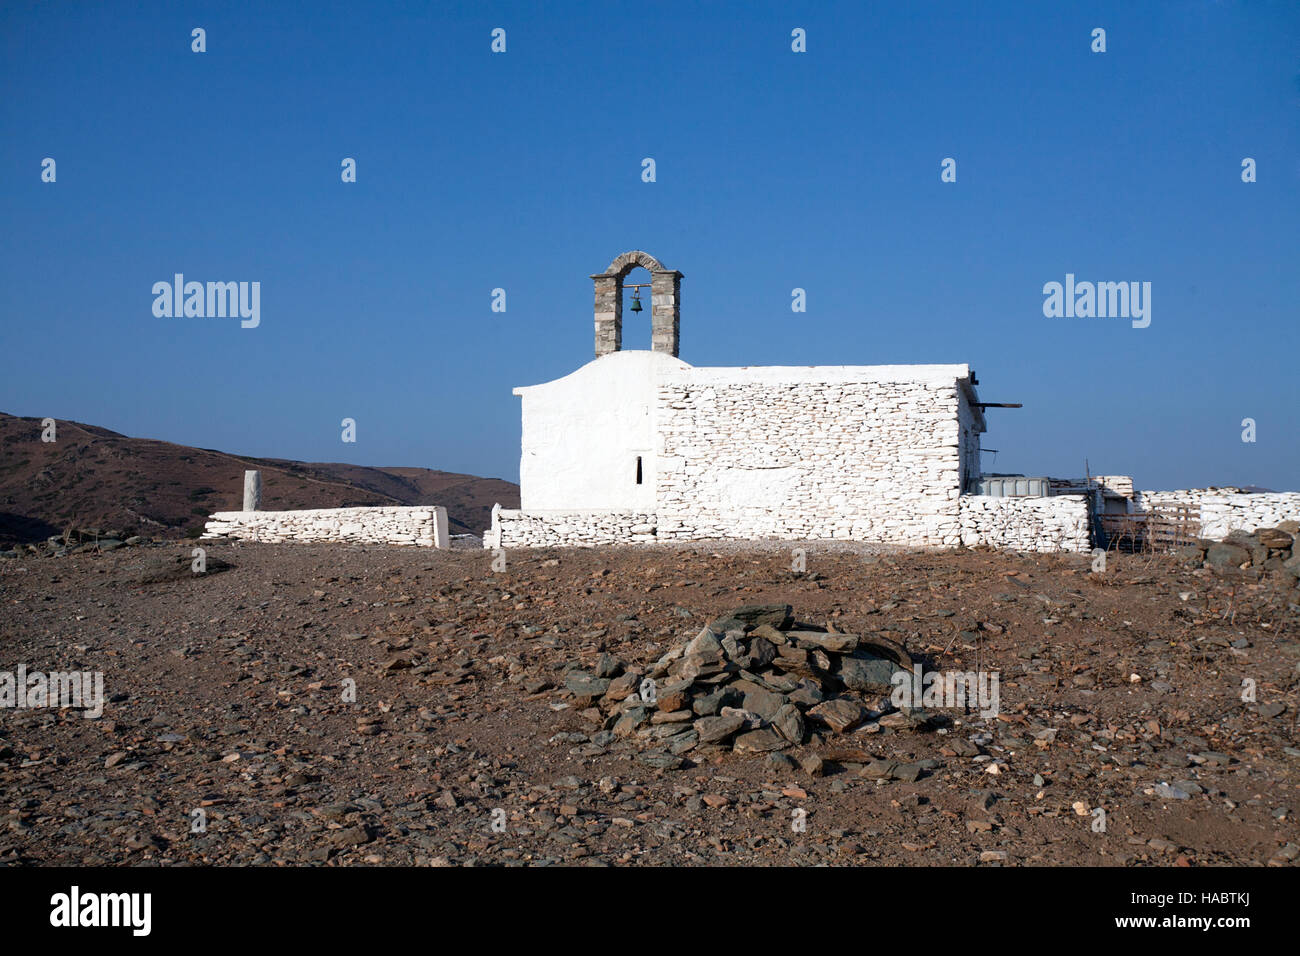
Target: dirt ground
{"points": [[227, 737]]}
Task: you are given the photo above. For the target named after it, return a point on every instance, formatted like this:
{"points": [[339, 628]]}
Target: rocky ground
{"points": [[229, 710]]}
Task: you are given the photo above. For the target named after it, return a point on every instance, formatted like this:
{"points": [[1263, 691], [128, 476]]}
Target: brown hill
{"points": [[95, 478]]}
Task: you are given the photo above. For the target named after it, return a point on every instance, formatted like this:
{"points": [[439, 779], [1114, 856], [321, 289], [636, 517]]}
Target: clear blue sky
{"points": [[775, 170]]}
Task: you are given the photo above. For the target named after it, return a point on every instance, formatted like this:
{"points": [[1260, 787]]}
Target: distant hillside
{"points": [[95, 478]]}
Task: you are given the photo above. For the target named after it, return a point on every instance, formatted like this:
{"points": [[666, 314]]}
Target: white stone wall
{"points": [[540, 529], [424, 525], [1058, 523], [1224, 511], [1017, 524], [867, 453]]}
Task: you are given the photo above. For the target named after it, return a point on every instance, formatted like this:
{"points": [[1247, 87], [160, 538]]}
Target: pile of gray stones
{"points": [[1271, 549], [1273, 552], [753, 681]]}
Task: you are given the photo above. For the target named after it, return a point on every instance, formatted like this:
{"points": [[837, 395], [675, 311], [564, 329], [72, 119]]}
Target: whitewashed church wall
{"points": [[782, 453], [583, 435]]}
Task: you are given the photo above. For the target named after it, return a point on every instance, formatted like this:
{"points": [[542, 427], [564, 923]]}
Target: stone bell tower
{"points": [[665, 303]]}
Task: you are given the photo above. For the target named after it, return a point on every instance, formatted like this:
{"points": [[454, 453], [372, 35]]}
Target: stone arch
{"points": [[630, 260], [665, 303]]}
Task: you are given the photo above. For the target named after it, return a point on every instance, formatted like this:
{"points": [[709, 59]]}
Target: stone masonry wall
{"points": [[1224, 511], [424, 525], [1017, 524], [1058, 523], [750, 453], [540, 529]]}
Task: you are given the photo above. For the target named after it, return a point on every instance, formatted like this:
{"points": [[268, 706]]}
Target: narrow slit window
{"points": [[638, 469]]}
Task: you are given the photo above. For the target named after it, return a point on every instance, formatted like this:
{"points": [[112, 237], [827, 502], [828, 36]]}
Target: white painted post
{"points": [[492, 539], [252, 490], [441, 539]]}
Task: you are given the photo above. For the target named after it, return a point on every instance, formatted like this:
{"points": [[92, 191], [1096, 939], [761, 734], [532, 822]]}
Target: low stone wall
{"points": [[913, 525], [512, 528], [1057, 523], [1225, 511], [537, 529], [423, 525], [1021, 524]]}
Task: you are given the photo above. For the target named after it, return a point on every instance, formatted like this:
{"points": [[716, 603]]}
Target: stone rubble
{"points": [[77, 541], [755, 681], [1267, 551]]}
